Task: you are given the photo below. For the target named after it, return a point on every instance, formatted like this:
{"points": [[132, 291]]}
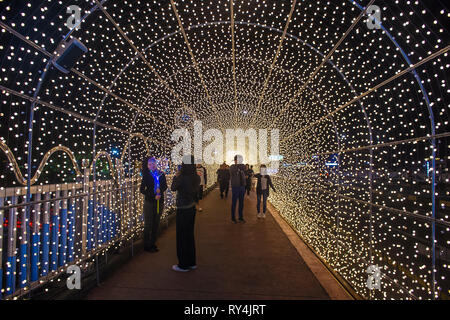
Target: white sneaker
{"points": [[258, 215], [175, 267], [263, 216]]}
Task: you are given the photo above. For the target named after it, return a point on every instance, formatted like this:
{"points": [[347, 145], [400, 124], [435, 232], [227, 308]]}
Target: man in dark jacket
{"points": [[238, 182], [153, 186]]}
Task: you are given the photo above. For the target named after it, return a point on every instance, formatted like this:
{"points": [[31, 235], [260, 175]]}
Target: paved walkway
{"points": [[254, 260]]}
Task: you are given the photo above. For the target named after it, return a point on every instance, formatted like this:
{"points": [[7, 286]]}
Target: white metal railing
{"points": [[64, 225]]}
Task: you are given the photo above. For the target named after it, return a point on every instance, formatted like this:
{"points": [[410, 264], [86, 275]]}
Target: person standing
{"points": [[237, 174], [223, 178], [249, 176], [201, 171], [153, 186], [262, 190], [186, 183]]}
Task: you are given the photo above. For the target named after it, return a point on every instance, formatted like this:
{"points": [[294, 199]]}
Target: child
{"points": [[262, 189]]}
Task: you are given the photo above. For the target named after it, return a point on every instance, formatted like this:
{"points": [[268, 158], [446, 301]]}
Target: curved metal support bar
{"points": [[21, 179], [108, 157], [19, 176], [433, 143], [200, 62], [127, 146]]}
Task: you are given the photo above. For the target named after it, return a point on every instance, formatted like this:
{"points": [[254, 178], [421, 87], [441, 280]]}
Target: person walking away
{"points": [[153, 186], [262, 190], [237, 175], [186, 183], [253, 187], [226, 179], [223, 178], [220, 172], [249, 176], [201, 171]]}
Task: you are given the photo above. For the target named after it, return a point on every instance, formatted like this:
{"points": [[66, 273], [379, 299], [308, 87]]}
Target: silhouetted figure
{"points": [[238, 182], [201, 171], [153, 186], [223, 178], [186, 183], [248, 176], [262, 190]]}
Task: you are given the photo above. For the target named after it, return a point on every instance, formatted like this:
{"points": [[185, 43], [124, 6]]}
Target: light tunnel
{"points": [[357, 89]]}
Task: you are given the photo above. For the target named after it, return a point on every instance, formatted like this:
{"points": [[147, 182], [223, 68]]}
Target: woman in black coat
{"points": [[186, 183]]}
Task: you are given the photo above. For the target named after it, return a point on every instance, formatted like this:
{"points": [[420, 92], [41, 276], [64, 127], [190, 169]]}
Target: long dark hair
{"points": [[145, 170]]}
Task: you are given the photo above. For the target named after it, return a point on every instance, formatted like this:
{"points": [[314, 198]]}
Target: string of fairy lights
{"points": [[364, 183]]}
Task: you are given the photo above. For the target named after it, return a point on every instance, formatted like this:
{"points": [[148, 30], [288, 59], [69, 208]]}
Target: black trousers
{"points": [[185, 237], [151, 222], [224, 186], [248, 187]]}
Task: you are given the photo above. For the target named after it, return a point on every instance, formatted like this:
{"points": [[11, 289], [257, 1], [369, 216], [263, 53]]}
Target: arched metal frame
{"points": [[329, 61]]}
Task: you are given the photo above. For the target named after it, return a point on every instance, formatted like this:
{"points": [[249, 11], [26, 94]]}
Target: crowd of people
{"points": [[189, 183], [241, 178]]}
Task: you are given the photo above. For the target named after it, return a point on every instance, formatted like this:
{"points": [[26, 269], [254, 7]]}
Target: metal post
{"points": [[71, 223], [54, 242], [2, 203], [63, 243], [97, 224], [104, 213], [95, 198], [107, 211], [130, 212], [46, 235], [35, 240], [23, 249], [84, 213], [11, 259], [99, 212], [116, 194], [26, 215], [433, 216], [112, 208]]}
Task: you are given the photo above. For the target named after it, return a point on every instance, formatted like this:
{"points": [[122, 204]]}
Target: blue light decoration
{"points": [[115, 152], [332, 162], [155, 174], [185, 117]]}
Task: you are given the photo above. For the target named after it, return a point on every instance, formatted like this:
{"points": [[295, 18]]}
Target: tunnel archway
{"points": [[361, 105]]}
